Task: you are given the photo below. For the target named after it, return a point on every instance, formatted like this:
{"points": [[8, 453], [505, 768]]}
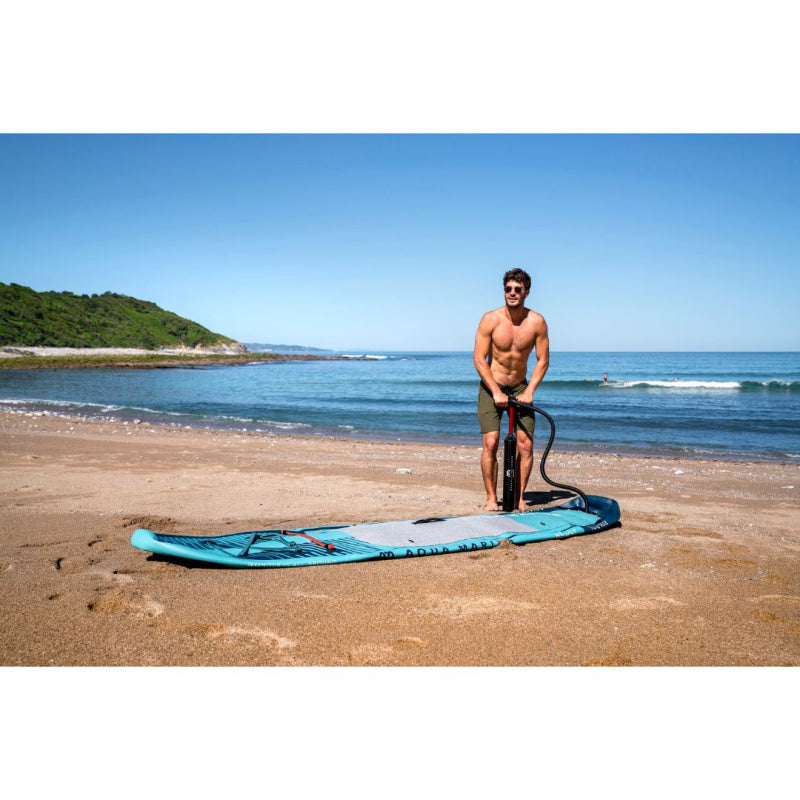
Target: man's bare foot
{"points": [[491, 505], [523, 506]]}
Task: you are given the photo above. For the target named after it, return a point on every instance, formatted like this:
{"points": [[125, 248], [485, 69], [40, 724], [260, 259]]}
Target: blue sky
{"points": [[399, 242]]}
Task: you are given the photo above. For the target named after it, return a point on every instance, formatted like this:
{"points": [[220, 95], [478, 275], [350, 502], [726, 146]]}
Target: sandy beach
{"points": [[703, 570]]}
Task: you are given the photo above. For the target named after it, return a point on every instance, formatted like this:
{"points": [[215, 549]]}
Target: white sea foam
{"points": [[61, 404], [285, 425], [678, 384], [17, 401], [78, 406]]}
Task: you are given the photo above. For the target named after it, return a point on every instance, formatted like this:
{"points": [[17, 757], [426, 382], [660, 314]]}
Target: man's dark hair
{"points": [[518, 275]]}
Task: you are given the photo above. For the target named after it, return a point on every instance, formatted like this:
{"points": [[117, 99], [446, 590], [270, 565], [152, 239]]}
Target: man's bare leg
{"points": [[524, 464], [489, 468]]}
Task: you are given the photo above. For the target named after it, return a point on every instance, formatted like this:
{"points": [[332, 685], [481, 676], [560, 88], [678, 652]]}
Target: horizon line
{"points": [[395, 350]]}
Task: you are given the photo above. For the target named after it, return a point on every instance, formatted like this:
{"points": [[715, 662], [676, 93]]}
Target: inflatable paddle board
{"points": [[372, 541]]}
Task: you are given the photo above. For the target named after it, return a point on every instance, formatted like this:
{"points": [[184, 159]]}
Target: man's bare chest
{"points": [[508, 337]]}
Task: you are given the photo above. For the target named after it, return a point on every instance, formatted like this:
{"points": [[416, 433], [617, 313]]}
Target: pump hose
{"points": [[515, 402]]}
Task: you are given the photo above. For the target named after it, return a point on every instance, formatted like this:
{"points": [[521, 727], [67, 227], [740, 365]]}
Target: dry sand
{"points": [[703, 570]]}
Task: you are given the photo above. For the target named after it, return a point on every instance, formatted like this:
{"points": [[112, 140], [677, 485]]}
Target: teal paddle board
{"points": [[373, 541]]}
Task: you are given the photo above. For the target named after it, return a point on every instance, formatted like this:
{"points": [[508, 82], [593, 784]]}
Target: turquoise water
{"points": [[702, 404]]}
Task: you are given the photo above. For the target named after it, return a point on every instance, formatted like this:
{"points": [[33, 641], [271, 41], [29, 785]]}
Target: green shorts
{"points": [[489, 414]]}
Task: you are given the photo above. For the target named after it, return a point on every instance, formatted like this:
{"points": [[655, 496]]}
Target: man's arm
{"points": [[481, 359], [542, 363]]}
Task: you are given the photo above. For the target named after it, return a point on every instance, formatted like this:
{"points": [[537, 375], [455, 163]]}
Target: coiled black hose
{"points": [[513, 401]]}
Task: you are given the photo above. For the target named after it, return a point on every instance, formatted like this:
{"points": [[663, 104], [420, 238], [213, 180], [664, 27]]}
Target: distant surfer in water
{"points": [[505, 339]]}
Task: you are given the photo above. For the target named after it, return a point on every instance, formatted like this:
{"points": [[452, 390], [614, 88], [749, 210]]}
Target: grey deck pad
{"points": [[403, 532]]}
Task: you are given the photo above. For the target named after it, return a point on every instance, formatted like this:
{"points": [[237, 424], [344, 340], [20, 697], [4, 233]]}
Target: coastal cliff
{"points": [[65, 320]]}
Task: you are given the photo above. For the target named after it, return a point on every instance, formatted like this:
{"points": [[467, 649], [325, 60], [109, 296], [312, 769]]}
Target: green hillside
{"points": [[63, 319]]}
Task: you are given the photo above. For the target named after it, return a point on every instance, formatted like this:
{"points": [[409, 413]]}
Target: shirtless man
{"points": [[505, 339]]}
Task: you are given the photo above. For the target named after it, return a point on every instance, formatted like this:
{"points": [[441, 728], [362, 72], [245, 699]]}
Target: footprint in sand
{"points": [[769, 616], [260, 636], [370, 655], [412, 640], [786, 598], [644, 603], [689, 532], [117, 601], [160, 524], [616, 657], [114, 576], [781, 604], [71, 565], [456, 607], [735, 563]]}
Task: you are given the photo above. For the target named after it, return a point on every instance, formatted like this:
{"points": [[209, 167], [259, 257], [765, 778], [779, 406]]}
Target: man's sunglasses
{"points": [[514, 289]]}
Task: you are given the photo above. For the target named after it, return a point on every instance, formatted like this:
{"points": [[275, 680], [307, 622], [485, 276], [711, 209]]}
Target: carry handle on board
{"points": [[510, 458]]}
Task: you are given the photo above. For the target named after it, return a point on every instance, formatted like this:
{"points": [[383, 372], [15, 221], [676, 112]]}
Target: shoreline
{"points": [[651, 434], [14, 357], [703, 570], [288, 430]]}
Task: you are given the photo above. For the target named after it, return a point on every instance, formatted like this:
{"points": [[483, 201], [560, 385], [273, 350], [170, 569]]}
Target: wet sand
{"points": [[703, 571]]}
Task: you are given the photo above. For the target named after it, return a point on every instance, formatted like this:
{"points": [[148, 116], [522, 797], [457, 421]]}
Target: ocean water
{"points": [[719, 405]]}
